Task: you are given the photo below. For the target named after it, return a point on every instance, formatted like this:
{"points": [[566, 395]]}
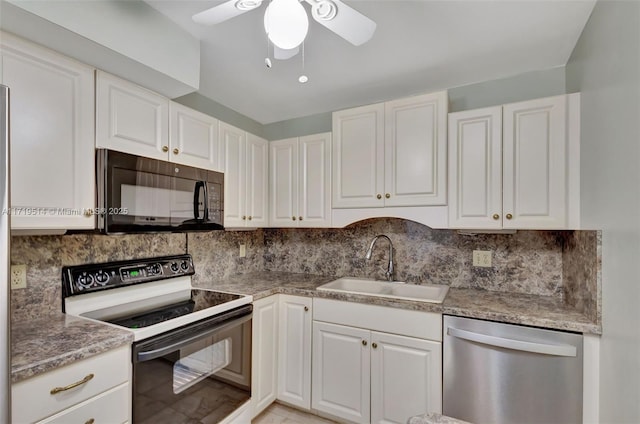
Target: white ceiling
{"points": [[418, 46]]}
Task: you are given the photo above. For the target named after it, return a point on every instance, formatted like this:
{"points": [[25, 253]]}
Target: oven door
{"points": [[200, 372]]}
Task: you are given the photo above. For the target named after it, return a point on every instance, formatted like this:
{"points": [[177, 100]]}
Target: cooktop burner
{"points": [[200, 300]]}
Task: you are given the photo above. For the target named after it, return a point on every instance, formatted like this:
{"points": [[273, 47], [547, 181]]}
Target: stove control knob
{"points": [[102, 278], [174, 266], [155, 269], [184, 265], [85, 280]]}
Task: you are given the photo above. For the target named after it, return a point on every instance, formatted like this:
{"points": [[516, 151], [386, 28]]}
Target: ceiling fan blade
{"points": [[282, 54], [345, 21], [225, 11]]}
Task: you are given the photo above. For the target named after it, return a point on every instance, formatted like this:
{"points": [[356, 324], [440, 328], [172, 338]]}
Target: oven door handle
{"points": [[190, 337]]}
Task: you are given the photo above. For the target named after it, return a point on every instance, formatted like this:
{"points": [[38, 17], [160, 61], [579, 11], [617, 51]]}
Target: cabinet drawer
{"points": [[423, 325], [32, 399], [111, 406]]}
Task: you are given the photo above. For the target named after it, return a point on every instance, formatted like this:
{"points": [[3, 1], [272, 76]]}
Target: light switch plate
{"points": [[482, 258]]}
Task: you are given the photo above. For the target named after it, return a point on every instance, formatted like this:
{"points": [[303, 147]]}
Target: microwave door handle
{"points": [[196, 198], [205, 216]]}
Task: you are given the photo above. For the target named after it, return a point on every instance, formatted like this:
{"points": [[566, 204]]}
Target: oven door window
{"points": [[200, 360]]}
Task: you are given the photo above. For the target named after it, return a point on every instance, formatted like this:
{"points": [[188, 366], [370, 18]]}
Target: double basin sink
{"points": [[433, 293]]}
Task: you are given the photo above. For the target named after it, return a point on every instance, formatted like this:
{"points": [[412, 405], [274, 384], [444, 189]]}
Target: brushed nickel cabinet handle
{"points": [[306, 309], [379, 196], [374, 345], [165, 149], [250, 217], [299, 218], [176, 151], [509, 216], [72, 385], [293, 218], [364, 343], [387, 195], [496, 216], [244, 218]]}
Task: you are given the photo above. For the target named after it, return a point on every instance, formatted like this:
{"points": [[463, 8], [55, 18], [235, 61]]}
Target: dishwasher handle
{"points": [[542, 348]]}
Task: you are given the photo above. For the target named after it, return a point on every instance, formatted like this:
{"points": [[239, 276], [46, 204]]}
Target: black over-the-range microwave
{"points": [[137, 194]]}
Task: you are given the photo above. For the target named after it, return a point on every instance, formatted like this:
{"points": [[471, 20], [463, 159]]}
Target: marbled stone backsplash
{"points": [[525, 262], [561, 264]]}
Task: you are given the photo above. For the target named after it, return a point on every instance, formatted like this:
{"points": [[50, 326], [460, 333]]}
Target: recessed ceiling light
{"points": [[303, 78]]}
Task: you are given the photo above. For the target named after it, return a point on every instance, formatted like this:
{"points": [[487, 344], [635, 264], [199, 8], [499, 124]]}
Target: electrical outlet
{"points": [[243, 250], [482, 258], [18, 276]]}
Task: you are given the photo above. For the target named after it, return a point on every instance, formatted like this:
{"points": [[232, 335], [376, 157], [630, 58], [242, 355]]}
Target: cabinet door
{"points": [[406, 377], [283, 171], [294, 360], [341, 361], [52, 130], [257, 182], [416, 151], [314, 181], [130, 118], [358, 157], [193, 138], [264, 362], [232, 144], [475, 168], [534, 161]]}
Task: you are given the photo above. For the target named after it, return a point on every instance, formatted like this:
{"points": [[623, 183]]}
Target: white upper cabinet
{"points": [[358, 157], [300, 181], [257, 188], [246, 177], [134, 120], [516, 166], [130, 118], [52, 131], [391, 154], [193, 138], [416, 151]]}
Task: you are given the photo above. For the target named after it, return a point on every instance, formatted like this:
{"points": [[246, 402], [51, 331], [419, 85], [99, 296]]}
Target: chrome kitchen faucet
{"points": [[390, 268]]}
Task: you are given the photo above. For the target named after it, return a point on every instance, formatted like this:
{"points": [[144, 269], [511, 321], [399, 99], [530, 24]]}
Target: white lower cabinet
{"points": [[341, 376], [294, 352], [264, 354], [362, 374], [96, 389]]}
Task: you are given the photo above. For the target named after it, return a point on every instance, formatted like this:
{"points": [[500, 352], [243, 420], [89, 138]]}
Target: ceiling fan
{"points": [[286, 22]]}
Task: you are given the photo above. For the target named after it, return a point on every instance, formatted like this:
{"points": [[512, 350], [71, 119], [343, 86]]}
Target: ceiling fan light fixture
{"points": [[246, 5], [286, 23], [324, 10]]}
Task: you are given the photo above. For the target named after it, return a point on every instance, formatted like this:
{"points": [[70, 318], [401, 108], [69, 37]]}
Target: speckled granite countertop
{"points": [[42, 345], [512, 308], [57, 340], [434, 419]]}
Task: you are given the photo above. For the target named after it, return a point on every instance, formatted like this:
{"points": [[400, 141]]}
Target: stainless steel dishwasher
{"points": [[502, 373]]}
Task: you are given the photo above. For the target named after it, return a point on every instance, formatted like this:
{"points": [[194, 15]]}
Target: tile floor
{"points": [[280, 414]]}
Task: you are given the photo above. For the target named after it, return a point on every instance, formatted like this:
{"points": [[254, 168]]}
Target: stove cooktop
{"points": [[200, 300]]}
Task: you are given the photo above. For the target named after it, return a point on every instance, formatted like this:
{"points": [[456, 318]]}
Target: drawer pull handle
{"points": [[90, 421], [306, 309], [72, 385]]}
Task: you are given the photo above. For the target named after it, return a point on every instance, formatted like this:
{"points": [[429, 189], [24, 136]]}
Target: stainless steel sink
{"points": [[434, 293]]}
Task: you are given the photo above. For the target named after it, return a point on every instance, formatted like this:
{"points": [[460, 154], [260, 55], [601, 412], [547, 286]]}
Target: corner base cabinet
{"points": [[264, 354], [375, 364]]}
